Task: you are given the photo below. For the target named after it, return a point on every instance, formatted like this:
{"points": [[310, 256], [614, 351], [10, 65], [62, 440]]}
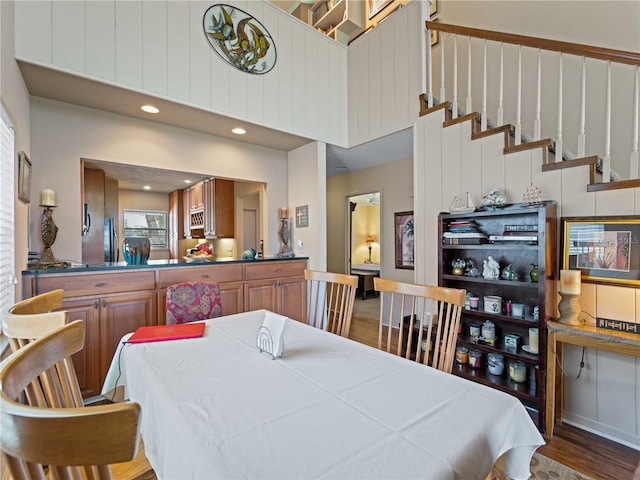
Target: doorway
{"points": [[364, 245]]}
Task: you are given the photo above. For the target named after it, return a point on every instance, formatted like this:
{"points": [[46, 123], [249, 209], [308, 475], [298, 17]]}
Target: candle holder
{"points": [[569, 308], [283, 233], [49, 233]]}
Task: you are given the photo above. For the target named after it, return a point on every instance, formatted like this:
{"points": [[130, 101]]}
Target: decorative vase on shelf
{"points": [[135, 250], [534, 273]]}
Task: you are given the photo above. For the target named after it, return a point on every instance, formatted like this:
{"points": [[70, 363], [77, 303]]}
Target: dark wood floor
{"points": [[593, 455]]}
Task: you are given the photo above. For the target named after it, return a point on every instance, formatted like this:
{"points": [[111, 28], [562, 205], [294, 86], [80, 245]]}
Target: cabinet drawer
{"points": [[76, 285], [212, 273], [274, 270]]}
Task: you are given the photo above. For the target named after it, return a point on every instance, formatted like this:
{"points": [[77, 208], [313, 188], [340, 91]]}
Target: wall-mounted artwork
{"points": [[239, 39], [24, 177], [376, 6], [403, 229], [604, 249]]}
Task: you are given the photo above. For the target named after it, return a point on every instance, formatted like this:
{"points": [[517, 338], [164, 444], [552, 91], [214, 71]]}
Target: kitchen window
{"points": [[147, 223]]}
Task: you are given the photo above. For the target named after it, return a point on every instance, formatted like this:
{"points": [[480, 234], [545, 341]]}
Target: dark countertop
{"points": [[110, 266]]}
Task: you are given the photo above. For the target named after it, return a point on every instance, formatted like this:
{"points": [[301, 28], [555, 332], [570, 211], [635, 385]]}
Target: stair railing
{"points": [[626, 67]]}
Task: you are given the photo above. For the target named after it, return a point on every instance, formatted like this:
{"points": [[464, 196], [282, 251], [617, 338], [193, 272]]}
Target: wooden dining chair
{"points": [[192, 301], [61, 437], [45, 302], [419, 322], [330, 299], [26, 327]]}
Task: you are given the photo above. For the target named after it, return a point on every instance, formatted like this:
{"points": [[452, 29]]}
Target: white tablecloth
{"points": [[215, 407]]}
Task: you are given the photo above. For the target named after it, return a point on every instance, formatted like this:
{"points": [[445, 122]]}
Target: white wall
{"points": [[159, 47], [15, 98], [384, 76], [64, 133], [447, 162], [307, 186], [393, 181]]}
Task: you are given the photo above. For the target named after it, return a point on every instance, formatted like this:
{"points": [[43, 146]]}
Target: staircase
{"points": [[601, 176]]}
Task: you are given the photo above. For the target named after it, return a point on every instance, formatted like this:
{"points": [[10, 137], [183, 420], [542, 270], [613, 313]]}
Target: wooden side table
{"points": [[585, 336]]}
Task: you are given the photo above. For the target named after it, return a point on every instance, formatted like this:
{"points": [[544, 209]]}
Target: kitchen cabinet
{"points": [[279, 287], [93, 218], [176, 223], [115, 300], [110, 305], [521, 236], [196, 198], [228, 277], [218, 195]]}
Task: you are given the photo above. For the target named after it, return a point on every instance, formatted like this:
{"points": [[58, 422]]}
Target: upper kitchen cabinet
{"points": [[211, 210], [92, 211]]}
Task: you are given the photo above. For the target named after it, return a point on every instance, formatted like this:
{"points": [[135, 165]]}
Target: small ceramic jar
{"points": [[488, 330]]}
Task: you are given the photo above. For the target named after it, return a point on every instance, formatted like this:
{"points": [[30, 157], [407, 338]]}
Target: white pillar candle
{"points": [[48, 198], [570, 282], [533, 340]]}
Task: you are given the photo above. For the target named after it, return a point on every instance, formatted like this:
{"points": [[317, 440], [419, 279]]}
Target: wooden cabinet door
{"points": [[261, 294], [93, 241], [176, 223], [292, 298], [121, 314], [224, 208], [196, 198], [232, 297], [87, 361]]}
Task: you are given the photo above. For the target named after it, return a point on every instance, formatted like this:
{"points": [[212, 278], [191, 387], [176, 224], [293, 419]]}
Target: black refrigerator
{"points": [[111, 249]]}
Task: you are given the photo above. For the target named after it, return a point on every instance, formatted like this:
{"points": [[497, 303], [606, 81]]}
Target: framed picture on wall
{"points": [[376, 6], [24, 177], [604, 249], [403, 228]]}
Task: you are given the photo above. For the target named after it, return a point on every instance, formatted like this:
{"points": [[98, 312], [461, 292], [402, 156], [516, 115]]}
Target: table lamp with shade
{"points": [[369, 241], [570, 288]]}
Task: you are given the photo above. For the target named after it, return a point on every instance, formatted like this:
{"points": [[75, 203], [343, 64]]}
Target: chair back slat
{"points": [[419, 322], [75, 441], [330, 299]]}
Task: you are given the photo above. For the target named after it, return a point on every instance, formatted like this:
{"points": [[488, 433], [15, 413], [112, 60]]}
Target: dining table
{"points": [[217, 407]]}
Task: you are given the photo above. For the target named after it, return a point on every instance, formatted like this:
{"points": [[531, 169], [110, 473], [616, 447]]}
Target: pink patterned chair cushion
{"points": [[191, 301]]}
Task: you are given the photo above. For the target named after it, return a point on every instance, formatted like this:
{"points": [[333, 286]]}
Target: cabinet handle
{"points": [[100, 284], [278, 270], [204, 276], [95, 304], [104, 303]]}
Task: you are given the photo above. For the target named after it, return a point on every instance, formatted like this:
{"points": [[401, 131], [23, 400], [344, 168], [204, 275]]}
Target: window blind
{"points": [[7, 229]]}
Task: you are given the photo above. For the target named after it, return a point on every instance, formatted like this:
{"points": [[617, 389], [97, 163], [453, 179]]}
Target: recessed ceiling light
{"points": [[147, 187], [187, 181], [341, 169], [239, 131], [149, 109]]}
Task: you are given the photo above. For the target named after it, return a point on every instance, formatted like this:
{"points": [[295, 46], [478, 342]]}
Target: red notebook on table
{"points": [[158, 333]]}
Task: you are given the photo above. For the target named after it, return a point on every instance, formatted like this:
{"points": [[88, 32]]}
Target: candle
{"points": [[570, 282], [48, 198], [533, 340], [283, 212]]}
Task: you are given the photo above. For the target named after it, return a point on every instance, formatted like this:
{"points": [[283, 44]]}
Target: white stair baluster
{"points": [[454, 105], [469, 107], [500, 114], [430, 70], [537, 125], [633, 171], [442, 87], [483, 114], [559, 134], [583, 108], [606, 159], [518, 130]]}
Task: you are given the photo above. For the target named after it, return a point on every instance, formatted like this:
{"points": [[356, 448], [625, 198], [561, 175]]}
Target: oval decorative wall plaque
{"points": [[239, 39]]}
